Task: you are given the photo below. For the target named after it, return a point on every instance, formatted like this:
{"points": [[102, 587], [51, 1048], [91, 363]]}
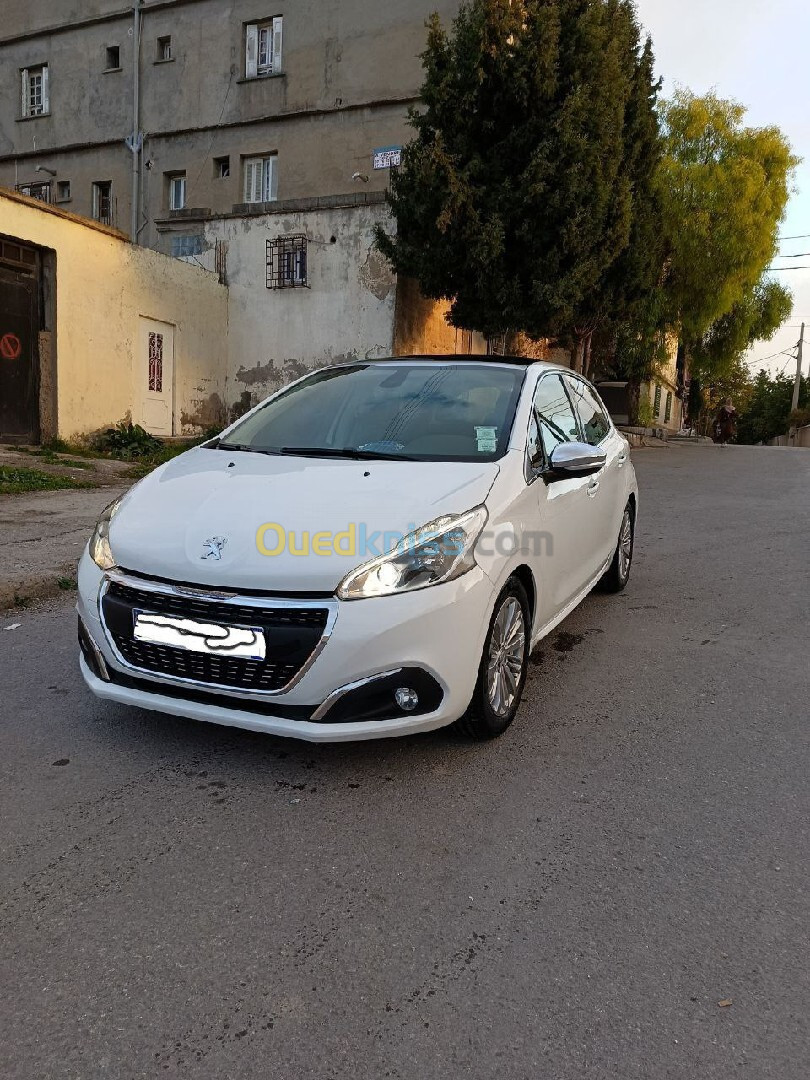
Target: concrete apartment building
{"points": [[253, 139], [240, 103]]}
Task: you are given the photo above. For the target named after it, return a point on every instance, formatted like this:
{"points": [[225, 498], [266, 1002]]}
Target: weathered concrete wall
{"points": [[104, 288], [276, 335]]}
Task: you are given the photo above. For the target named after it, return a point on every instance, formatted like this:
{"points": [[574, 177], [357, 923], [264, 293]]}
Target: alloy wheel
{"points": [[505, 661], [625, 545]]}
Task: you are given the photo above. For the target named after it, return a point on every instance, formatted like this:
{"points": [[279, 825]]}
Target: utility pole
{"points": [[798, 385], [135, 141]]}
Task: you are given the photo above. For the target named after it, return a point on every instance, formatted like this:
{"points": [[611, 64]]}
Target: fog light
{"points": [[406, 698]]}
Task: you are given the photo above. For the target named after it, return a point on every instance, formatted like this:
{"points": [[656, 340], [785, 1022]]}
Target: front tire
{"points": [[617, 574], [503, 667]]}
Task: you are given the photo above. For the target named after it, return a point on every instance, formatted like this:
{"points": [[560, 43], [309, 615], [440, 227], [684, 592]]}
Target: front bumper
{"points": [[439, 631]]}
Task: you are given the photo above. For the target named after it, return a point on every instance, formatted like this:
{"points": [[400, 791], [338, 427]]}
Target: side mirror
{"points": [[575, 459]]}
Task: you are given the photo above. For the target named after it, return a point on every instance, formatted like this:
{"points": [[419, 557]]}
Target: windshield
{"points": [[418, 411]]}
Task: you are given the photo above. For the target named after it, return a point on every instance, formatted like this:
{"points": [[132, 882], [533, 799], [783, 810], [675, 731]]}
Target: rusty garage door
{"points": [[19, 364]]}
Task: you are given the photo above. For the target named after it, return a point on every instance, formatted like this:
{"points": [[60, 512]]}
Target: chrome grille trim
{"points": [[223, 598]]}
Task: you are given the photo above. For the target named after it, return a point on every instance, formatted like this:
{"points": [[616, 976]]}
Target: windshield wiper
{"points": [[347, 452], [244, 448]]}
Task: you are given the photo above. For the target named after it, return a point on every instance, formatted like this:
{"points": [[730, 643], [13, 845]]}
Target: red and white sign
{"points": [[10, 346]]}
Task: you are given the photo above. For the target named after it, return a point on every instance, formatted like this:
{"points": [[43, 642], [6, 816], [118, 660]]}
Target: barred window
{"points": [[156, 363], [287, 262]]}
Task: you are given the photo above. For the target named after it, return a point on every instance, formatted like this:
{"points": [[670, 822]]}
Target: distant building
{"points": [[255, 143]]}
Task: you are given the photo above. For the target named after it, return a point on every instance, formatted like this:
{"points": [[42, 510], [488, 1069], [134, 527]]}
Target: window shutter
{"points": [[277, 44], [270, 193], [46, 104], [249, 170], [24, 110], [251, 51]]}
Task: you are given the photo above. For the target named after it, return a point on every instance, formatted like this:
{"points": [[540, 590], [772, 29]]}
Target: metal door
{"points": [[19, 365]]}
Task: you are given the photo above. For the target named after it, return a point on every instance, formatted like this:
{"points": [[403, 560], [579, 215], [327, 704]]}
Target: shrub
{"points": [[126, 441]]}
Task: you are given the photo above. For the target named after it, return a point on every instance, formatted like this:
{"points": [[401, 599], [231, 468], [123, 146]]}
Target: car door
{"points": [[563, 507], [605, 488]]}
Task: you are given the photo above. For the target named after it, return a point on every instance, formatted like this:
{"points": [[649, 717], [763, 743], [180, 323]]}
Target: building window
{"points": [[113, 58], [287, 262], [657, 402], [17, 256], [63, 191], [35, 93], [164, 49], [668, 408], [263, 48], [177, 191], [102, 201], [222, 168], [261, 182], [41, 191], [156, 363], [184, 246]]}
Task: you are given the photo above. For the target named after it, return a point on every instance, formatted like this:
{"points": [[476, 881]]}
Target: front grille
{"points": [[192, 607], [291, 635], [222, 671]]}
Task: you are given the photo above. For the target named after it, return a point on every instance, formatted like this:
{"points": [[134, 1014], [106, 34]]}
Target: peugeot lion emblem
{"points": [[212, 549]]}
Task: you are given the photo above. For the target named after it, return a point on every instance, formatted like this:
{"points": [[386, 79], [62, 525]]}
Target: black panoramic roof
{"points": [[453, 358]]}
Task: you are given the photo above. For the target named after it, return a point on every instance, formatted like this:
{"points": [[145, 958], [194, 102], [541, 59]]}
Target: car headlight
{"points": [[100, 550], [437, 552]]}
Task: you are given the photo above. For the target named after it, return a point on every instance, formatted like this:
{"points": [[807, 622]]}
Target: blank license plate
{"points": [[244, 642]]}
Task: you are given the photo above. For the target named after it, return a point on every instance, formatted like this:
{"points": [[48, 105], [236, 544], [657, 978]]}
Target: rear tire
{"points": [[617, 574], [503, 667]]}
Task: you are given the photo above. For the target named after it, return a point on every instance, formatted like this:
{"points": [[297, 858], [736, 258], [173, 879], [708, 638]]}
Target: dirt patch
{"points": [[86, 471]]}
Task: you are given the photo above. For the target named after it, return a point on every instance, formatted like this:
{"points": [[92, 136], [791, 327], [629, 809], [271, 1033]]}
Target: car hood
{"points": [[173, 523]]}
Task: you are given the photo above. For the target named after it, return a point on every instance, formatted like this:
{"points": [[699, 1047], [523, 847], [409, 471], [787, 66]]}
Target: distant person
{"points": [[725, 423]]}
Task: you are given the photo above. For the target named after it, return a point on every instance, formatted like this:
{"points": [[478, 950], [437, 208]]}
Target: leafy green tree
{"points": [[767, 414], [755, 317], [515, 196], [724, 188], [735, 382]]}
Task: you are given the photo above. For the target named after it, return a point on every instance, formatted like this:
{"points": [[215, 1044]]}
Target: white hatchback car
{"points": [[372, 551]]}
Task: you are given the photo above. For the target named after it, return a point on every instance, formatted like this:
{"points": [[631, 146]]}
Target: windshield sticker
{"points": [[487, 439], [382, 447]]}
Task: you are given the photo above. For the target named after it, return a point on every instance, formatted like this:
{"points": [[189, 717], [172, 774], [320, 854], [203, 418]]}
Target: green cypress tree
{"points": [[513, 199]]}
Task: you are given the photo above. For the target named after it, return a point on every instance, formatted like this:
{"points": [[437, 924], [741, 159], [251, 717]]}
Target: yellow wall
{"points": [[103, 286], [421, 327]]}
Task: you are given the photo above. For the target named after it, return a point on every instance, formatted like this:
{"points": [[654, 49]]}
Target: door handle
{"points": [[593, 487]]}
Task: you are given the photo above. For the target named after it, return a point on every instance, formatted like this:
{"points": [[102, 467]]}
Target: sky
{"points": [[758, 53]]}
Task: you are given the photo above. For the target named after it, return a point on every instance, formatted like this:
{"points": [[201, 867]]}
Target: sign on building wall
{"points": [[387, 157]]}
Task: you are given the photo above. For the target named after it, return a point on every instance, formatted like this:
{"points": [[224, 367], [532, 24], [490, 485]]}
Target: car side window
{"points": [[554, 415], [595, 422]]}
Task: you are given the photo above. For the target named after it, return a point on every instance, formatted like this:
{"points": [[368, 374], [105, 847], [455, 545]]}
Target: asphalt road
{"points": [[573, 900]]}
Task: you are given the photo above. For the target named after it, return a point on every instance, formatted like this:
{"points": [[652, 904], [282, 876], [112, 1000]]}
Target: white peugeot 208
{"points": [[372, 551]]}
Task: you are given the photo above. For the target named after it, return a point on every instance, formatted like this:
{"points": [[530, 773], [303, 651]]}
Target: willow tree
{"points": [[724, 189]]}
